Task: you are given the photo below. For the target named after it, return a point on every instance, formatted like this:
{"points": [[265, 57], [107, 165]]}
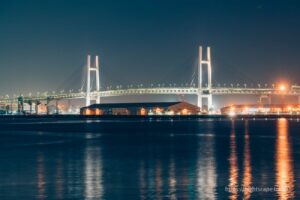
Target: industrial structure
{"points": [[253, 109], [201, 90]]}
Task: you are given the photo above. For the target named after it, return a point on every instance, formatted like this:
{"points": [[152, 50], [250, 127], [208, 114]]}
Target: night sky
{"points": [[43, 44]]}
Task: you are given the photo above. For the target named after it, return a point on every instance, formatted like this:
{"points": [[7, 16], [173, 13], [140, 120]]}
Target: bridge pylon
{"points": [[204, 92], [90, 69]]}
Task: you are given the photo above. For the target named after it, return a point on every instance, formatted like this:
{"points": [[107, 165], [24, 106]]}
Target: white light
{"points": [[232, 114]]}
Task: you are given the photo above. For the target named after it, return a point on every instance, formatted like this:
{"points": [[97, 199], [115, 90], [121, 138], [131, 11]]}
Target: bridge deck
{"points": [[158, 90]]}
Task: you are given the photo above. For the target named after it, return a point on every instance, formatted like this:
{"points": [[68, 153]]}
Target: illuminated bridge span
{"points": [[202, 92], [194, 91], [293, 91]]}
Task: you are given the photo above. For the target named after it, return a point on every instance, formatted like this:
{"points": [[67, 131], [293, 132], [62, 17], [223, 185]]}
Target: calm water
{"points": [[128, 159]]}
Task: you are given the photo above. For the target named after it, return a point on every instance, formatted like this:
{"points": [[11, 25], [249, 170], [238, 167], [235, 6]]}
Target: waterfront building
{"points": [[249, 109], [151, 108]]}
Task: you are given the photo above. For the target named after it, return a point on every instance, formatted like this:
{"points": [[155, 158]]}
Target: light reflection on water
{"points": [[93, 173], [247, 176], [229, 154], [284, 162], [59, 178], [172, 179], [233, 165], [40, 176], [206, 169]]}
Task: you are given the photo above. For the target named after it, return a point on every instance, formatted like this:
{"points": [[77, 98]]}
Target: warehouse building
{"points": [[152, 108]]}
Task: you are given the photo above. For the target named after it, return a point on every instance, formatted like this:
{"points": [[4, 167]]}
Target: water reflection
{"points": [[206, 169], [247, 177], [74, 173], [93, 173], [59, 178], [233, 164], [142, 181], [284, 162], [172, 179], [150, 180], [41, 176], [158, 180], [238, 154]]}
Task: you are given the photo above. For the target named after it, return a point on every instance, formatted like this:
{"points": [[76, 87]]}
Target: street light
{"points": [[282, 87]]}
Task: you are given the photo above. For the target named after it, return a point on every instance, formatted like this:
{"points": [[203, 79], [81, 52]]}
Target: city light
{"points": [[282, 87], [232, 114], [246, 110], [97, 111], [184, 111], [143, 111], [158, 111]]}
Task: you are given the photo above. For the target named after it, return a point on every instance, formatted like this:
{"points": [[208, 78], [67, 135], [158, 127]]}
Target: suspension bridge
{"points": [[203, 90]]}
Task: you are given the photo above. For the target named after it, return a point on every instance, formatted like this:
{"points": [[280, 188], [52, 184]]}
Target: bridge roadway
{"points": [[294, 90]]}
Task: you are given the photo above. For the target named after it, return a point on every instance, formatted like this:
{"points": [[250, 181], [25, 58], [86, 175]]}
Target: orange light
{"points": [[42, 108], [184, 111], [246, 109], [171, 112], [231, 113], [88, 112], [282, 87], [158, 110], [61, 106], [143, 111], [97, 111]]}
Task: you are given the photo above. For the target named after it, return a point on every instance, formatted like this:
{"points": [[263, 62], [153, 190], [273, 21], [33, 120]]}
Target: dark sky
{"points": [[43, 44]]}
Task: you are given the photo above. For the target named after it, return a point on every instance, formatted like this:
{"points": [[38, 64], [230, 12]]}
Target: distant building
{"points": [[261, 109], [153, 108]]}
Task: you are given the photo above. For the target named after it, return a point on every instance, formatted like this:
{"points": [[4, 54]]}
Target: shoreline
{"points": [[150, 117]]}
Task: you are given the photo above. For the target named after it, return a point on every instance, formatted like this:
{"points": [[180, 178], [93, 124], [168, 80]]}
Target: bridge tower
{"points": [[204, 92], [91, 69]]}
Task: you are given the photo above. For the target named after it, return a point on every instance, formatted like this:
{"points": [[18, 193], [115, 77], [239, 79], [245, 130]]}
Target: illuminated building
{"points": [[152, 108], [261, 109]]}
